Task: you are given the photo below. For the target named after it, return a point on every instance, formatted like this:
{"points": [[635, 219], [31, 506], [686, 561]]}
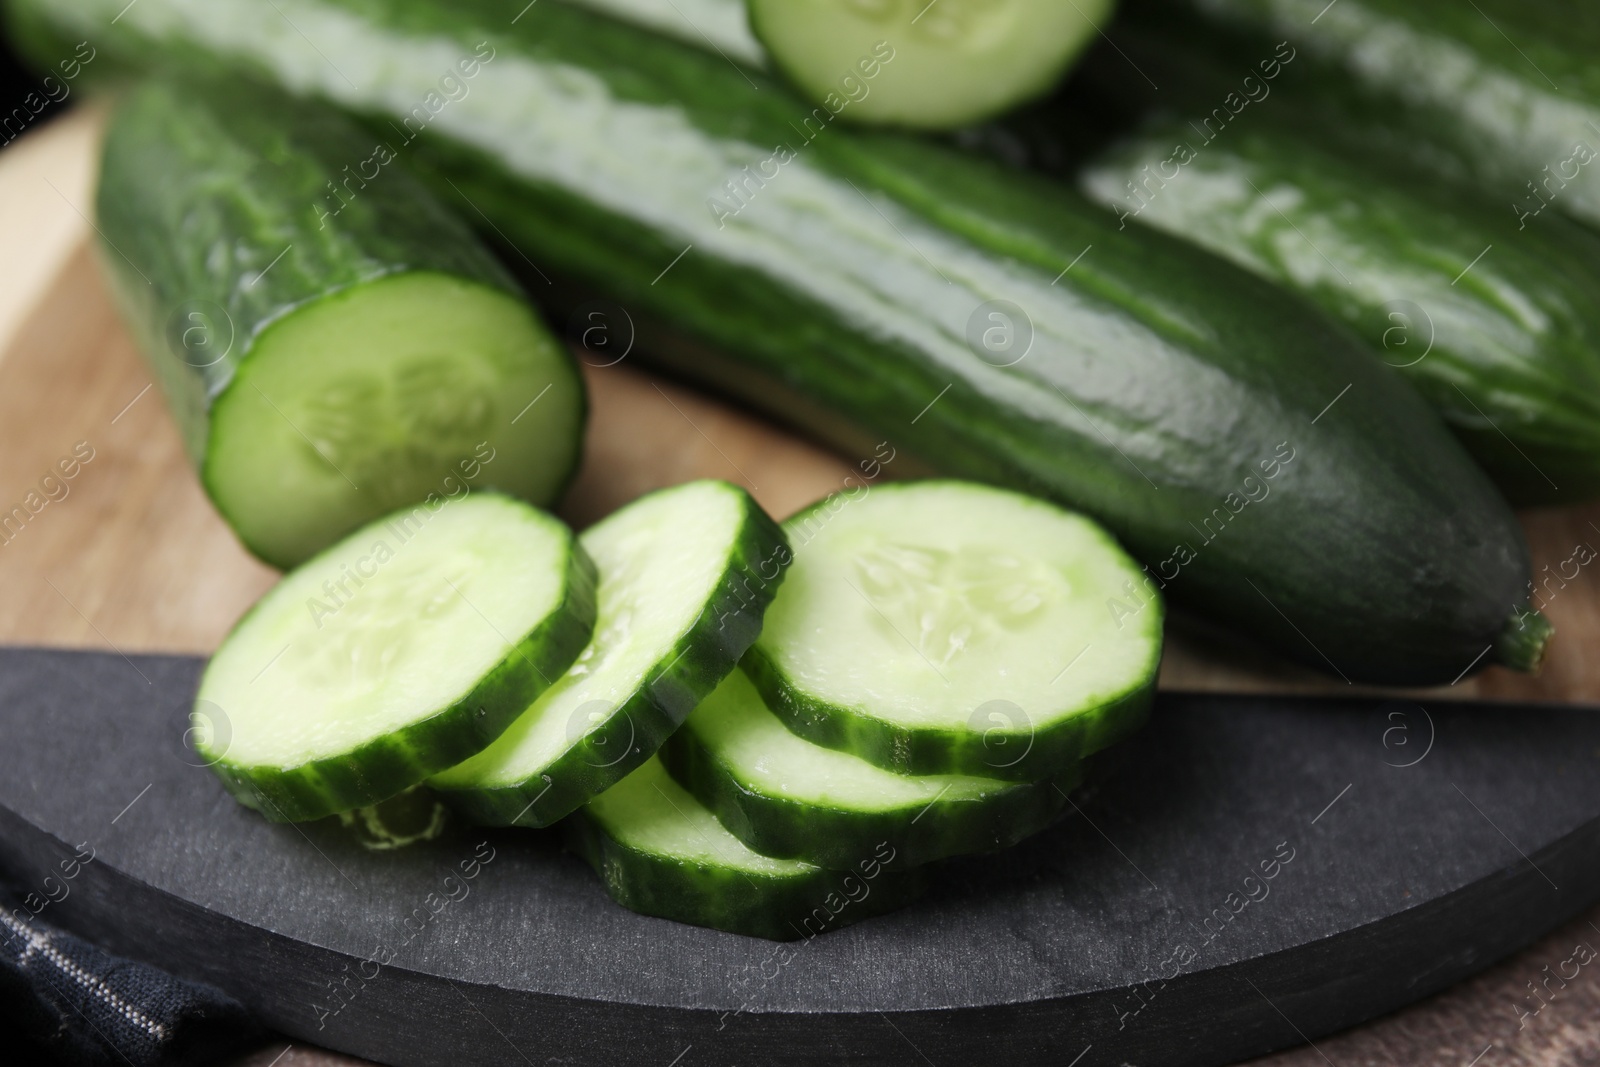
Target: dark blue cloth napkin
{"points": [[64, 1000]]}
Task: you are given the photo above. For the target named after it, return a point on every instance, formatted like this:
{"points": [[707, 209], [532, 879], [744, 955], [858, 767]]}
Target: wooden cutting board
{"points": [[133, 559]]}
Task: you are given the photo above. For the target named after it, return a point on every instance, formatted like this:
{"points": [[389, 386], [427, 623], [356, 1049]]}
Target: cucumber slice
{"points": [[784, 796], [943, 627], [685, 575], [933, 64], [660, 852], [394, 654]]}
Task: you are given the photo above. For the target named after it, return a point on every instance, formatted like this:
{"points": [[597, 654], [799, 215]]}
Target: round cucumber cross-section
{"points": [[398, 652], [685, 576], [933, 64], [378, 395], [943, 627]]}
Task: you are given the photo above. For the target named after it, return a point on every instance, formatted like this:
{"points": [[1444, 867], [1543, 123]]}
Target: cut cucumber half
{"points": [[394, 654], [685, 576], [932, 64], [943, 627], [373, 397], [332, 346], [662, 853], [784, 796]]}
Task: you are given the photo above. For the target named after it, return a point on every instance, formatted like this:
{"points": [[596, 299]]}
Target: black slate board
{"points": [[1426, 843]]}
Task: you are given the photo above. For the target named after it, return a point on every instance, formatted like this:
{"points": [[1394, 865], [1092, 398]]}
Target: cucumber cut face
{"points": [[931, 65], [944, 627], [685, 577], [784, 796], [662, 853], [397, 652], [376, 396]]}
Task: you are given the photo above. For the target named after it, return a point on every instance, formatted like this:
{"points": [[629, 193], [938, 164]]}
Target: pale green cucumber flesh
{"points": [[685, 575], [393, 654], [931, 65], [946, 627], [381, 394], [785, 796], [662, 853]]}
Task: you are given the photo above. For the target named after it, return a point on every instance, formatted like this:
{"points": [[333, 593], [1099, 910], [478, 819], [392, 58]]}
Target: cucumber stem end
{"points": [[1522, 643]]}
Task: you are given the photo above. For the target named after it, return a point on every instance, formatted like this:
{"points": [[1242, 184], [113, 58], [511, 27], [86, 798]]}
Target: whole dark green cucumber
{"points": [[1504, 94], [1498, 325], [333, 341], [1264, 465], [1508, 353]]}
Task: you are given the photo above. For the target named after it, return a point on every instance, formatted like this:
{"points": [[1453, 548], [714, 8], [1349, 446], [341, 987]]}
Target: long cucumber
{"points": [[1260, 462], [1508, 353], [1503, 94], [1496, 322], [333, 342]]}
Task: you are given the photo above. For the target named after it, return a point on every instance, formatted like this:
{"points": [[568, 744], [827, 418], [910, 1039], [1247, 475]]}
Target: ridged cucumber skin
{"points": [[1392, 555], [1507, 352], [738, 902], [835, 837], [699, 660], [1489, 93], [208, 186], [393, 763]]}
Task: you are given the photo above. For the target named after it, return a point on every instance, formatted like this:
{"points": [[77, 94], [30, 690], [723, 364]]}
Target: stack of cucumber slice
{"points": [[926, 667], [937, 664], [661, 852]]}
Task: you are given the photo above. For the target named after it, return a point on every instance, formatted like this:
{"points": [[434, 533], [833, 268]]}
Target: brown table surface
{"points": [[134, 558]]}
